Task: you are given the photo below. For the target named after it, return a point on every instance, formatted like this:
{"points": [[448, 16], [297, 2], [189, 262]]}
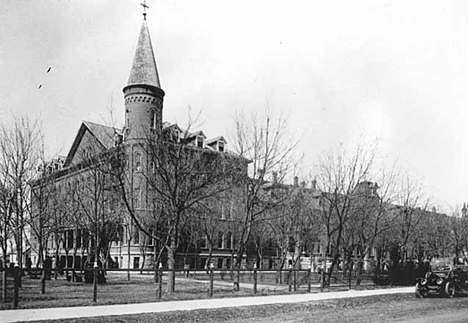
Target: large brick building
{"points": [[93, 202]]}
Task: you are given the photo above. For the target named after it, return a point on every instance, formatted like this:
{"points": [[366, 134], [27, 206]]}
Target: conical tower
{"points": [[143, 94]]}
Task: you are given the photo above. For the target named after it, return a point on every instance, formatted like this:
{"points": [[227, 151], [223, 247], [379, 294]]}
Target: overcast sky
{"points": [[396, 70]]}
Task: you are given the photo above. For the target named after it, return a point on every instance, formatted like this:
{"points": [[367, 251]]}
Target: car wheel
{"points": [[419, 292], [449, 290]]}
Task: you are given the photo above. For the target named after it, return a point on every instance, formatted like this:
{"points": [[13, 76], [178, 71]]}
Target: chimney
{"points": [[314, 184], [275, 177], [303, 184], [296, 181]]}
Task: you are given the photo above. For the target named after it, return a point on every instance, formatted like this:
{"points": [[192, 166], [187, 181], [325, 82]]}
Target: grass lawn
{"points": [[142, 288], [117, 290], [385, 308]]}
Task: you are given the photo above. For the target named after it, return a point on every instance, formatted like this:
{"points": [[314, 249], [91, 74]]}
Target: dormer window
{"points": [[200, 141], [217, 144]]}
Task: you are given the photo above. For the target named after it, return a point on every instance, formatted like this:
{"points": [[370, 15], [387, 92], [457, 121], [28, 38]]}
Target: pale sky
{"points": [[396, 70]]}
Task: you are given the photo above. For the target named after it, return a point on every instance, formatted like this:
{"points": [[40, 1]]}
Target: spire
{"points": [[144, 71]]}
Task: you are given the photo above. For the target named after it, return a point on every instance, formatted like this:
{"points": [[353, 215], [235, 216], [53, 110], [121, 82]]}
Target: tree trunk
{"points": [[56, 255], [128, 259], [4, 277], [171, 266]]}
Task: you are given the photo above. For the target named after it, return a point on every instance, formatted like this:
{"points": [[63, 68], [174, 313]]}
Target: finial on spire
{"points": [[145, 6]]}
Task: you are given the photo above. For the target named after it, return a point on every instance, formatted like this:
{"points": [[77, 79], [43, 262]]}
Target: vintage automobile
{"points": [[443, 281]]}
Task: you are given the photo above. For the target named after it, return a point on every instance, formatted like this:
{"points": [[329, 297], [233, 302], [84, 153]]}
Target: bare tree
{"points": [[44, 199], [263, 142], [411, 208], [165, 180], [339, 178], [20, 144], [6, 227]]}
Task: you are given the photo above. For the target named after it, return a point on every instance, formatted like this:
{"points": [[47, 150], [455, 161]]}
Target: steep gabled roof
{"points": [[104, 135]]}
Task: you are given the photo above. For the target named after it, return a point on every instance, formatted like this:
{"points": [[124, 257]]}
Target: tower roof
{"points": [[144, 69]]}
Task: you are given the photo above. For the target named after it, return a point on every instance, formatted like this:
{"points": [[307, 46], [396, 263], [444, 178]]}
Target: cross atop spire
{"points": [[145, 6]]}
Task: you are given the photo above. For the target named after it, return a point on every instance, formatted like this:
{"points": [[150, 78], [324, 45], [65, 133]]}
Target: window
{"points": [[223, 214], [229, 240], [136, 262], [153, 119], [78, 238], [136, 236], [220, 262], [85, 239], [153, 167], [231, 210], [202, 242], [221, 146], [200, 141], [137, 198], [220, 240], [138, 162], [69, 242]]}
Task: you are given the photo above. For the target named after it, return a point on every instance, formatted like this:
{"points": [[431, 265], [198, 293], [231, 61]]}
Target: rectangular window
{"points": [[231, 210], [69, 239], [85, 239], [78, 238], [223, 214], [202, 243], [220, 240], [136, 262], [136, 236], [229, 240], [221, 146], [220, 262]]}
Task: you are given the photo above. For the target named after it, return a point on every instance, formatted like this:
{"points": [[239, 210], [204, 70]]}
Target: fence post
{"points": [[322, 279], [16, 273], [349, 278], [255, 279], [295, 279], [289, 278], [210, 291], [43, 280], [95, 281], [160, 274], [309, 278]]}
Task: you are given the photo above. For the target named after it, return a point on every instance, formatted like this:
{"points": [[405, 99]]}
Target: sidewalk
{"points": [[89, 311]]}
